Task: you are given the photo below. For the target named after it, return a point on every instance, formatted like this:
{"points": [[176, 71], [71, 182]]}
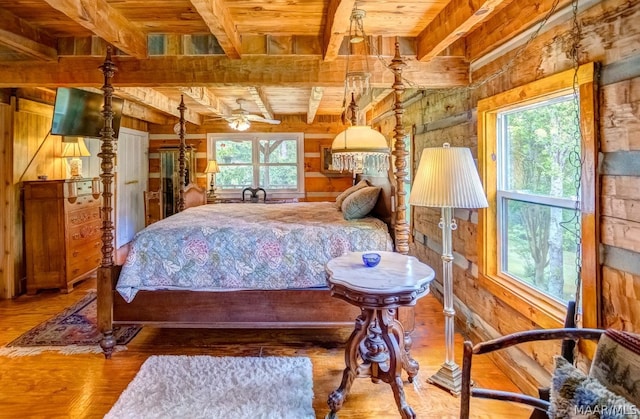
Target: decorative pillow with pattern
{"points": [[340, 198], [360, 203], [617, 364], [575, 395]]}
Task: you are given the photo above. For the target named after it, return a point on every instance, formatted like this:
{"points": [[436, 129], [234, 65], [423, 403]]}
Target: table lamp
{"points": [[212, 167], [447, 178], [75, 148]]}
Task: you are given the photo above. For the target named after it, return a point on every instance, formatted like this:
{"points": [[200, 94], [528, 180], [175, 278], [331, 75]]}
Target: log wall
{"points": [[611, 37], [318, 186]]}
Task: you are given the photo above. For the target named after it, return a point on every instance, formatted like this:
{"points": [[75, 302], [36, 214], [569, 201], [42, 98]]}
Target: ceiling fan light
{"points": [[240, 124]]}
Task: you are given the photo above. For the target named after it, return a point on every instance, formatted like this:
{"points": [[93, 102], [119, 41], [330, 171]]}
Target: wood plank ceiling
{"points": [[282, 57]]}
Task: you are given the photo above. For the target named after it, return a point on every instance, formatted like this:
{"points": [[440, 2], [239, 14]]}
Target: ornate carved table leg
{"points": [[393, 336], [404, 340], [338, 396]]}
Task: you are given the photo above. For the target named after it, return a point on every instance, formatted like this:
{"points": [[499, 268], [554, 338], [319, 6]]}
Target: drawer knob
{"points": [[75, 253]]}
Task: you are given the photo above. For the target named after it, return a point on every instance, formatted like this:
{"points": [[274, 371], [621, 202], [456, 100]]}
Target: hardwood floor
{"points": [[52, 385]]}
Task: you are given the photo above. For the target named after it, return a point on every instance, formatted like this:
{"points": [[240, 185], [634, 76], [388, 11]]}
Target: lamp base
{"points": [[448, 377], [75, 168]]}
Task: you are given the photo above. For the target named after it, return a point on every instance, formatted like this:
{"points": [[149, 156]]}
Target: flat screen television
{"points": [[78, 113]]}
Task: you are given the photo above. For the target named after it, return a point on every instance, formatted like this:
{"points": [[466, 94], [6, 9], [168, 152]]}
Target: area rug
{"points": [[219, 387], [73, 331]]}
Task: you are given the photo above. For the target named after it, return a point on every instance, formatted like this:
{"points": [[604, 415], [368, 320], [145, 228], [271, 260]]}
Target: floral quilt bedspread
{"points": [[245, 246]]}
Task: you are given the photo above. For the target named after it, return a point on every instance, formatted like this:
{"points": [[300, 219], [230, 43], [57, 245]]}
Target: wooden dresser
{"points": [[62, 233]]}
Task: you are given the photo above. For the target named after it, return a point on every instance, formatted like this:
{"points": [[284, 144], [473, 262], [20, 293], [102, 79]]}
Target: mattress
{"points": [[221, 247]]}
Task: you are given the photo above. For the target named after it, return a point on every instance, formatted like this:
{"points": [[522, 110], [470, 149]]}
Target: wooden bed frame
{"points": [[301, 308]]}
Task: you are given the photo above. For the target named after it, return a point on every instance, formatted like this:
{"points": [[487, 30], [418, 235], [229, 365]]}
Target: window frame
{"points": [[538, 307], [255, 138]]}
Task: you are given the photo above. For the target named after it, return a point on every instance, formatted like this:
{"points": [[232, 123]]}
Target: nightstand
{"points": [[376, 348]]}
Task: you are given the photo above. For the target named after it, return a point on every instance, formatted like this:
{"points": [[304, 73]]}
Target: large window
{"points": [[537, 154], [270, 161], [537, 195]]}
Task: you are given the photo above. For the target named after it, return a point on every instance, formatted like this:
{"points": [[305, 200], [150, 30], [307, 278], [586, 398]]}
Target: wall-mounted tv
{"points": [[78, 113]]}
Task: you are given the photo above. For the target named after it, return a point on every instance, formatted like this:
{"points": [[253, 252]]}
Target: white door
{"points": [[132, 172]]}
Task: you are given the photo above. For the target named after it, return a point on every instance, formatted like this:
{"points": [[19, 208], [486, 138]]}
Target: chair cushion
{"points": [[340, 198], [575, 395], [360, 203], [616, 364]]}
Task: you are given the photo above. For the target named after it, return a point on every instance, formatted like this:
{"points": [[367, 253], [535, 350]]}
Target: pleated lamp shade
{"points": [[447, 177], [75, 148], [212, 167]]}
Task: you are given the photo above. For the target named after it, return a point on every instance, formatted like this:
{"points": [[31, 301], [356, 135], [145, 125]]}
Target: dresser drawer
{"points": [[90, 246], [82, 263], [85, 214], [83, 235]]}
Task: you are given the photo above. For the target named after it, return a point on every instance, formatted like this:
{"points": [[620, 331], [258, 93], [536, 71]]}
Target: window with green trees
{"points": [[538, 166], [537, 156], [270, 161]]}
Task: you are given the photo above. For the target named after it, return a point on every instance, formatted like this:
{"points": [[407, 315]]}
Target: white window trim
{"points": [[271, 193]]}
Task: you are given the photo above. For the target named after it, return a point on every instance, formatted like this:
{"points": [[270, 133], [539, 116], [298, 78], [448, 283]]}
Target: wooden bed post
{"points": [[107, 268], [181, 156], [401, 227], [406, 315]]}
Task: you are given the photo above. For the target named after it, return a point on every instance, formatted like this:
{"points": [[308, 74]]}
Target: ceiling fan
{"points": [[241, 120]]}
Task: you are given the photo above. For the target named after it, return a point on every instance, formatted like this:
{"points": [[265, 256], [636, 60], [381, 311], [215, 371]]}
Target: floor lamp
{"points": [[447, 178]]}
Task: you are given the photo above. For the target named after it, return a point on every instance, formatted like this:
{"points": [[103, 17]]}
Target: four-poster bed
{"points": [[241, 308]]}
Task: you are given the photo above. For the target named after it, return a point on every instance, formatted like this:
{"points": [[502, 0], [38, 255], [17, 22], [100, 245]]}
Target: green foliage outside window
{"points": [[538, 164], [276, 166]]}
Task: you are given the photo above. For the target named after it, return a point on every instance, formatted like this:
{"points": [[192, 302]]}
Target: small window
{"points": [[274, 162]]}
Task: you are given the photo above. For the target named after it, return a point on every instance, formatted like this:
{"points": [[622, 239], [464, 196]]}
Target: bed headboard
{"points": [[385, 207], [194, 196]]}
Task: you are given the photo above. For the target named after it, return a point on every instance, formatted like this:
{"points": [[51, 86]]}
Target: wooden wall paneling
{"points": [[620, 197], [134, 123], [621, 293], [7, 207], [36, 152], [620, 124], [621, 233], [619, 203]]}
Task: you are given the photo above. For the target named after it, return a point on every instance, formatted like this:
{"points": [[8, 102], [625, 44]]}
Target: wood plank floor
{"points": [[52, 385]]}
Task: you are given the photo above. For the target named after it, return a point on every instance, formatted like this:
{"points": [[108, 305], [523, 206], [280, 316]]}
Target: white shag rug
{"points": [[218, 387]]}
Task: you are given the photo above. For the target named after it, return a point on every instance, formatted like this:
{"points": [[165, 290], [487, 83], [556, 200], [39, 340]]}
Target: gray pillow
{"points": [[360, 203], [340, 198], [574, 395]]}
